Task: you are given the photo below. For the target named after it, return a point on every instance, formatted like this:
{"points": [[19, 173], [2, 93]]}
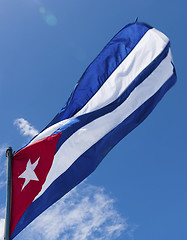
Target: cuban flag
{"points": [[116, 93]]}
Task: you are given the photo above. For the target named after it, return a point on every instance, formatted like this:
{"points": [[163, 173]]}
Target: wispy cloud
{"points": [[2, 212], [3, 150], [3, 165], [2, 184], [2, 223], [87, 212], [26, 129]]}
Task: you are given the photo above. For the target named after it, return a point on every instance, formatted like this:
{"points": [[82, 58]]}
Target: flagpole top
{"points": [[9, 152], [136, 20]]}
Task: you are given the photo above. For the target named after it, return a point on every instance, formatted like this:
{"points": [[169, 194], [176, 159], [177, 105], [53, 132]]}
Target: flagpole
{"points": [[8, 193]]}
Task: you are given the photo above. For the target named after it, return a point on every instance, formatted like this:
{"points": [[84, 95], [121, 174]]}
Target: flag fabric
{"points": [[116, 93]]}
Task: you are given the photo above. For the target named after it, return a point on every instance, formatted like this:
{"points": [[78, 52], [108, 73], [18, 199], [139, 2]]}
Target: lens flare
{"points": [[48, 17], [42, 10], [51, 20]]}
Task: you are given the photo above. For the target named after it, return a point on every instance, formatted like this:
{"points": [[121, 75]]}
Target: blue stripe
{"points": [[70, 128], [101, 68], [88, 161]]}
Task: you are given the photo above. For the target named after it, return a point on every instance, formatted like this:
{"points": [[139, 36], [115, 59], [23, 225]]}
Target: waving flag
{"points": [[116, 93]]}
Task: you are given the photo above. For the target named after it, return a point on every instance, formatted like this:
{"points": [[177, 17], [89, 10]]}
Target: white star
{"points": [[29, 173]]}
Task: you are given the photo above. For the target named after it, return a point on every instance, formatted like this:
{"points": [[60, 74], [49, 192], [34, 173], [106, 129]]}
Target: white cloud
{"points": [[2, 223], [86, 213], [25, 127], [3, 149], [2, 184], [2, 212]]}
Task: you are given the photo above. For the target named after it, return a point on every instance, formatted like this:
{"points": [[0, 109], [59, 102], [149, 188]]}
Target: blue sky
{"points": [[139, 190]]}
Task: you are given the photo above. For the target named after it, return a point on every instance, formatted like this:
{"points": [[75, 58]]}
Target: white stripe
{"points": [[50, 130], [147, 49], [91, 133]]}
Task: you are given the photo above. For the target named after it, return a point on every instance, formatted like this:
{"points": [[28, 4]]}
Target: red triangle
{"points": [[21, 199]]}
